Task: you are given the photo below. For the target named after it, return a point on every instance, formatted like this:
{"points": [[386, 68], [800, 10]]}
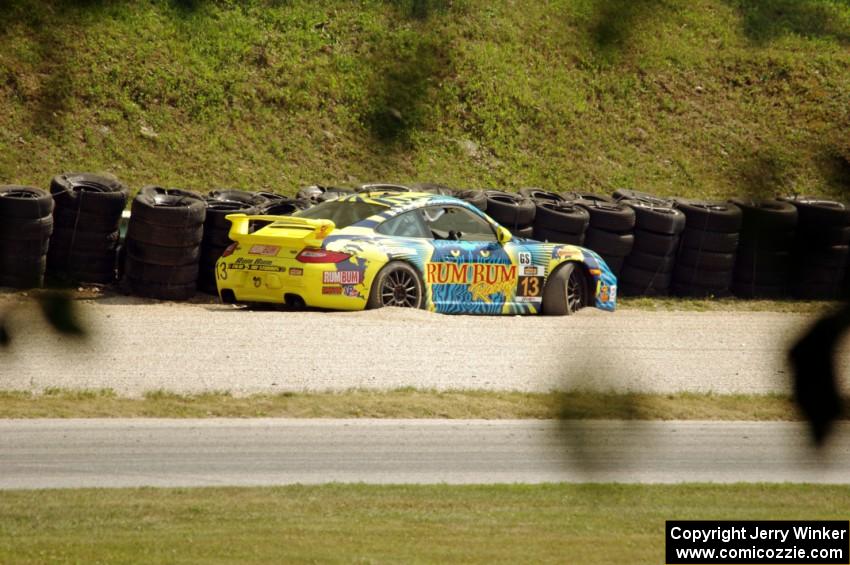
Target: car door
{"points": [[469, 270]]}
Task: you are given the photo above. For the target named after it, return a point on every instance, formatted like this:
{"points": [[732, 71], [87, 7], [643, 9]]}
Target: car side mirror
{"points": [[503, 235]]}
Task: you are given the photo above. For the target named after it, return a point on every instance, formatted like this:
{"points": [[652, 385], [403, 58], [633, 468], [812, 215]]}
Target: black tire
{"points": [[162, 255], [834, 257], [82, 242], [650, 262], [705, 260], [509, 209], [527, 232], [334, 193], [397, 284], [822, 235], [606, 214], [16, 229], [688, 276], [209, 255], [566, 291], [22, 264], [813, 211], [767, 241], [645, 279], [766, 215], [711, 241], [762, 277], [217, 238], [646, 197], [382, 187], [218, 210], [160, 274], [89, 221], [816, 291], [562, 217], [22, 281], [655, 243], [475, 197], [614, 263], [270, 195], [710, 216], [144, 232], [609, 243], [171, 207], [282, 207], [24, 247], [755, 259], [91, 194], [24, 203], [554, 236], [538, 195], [656, 218], [162, 291]]}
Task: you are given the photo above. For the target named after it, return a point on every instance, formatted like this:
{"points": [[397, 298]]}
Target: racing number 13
{"points": [[530, 286]]}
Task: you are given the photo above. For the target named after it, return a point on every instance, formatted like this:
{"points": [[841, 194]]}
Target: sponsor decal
{"points": [[605, 293], [524, 258], [532, 271], [342, 277], [483, 279], [351, 291], [246, 264], [296, 272], [331, 290], [270, 250]]}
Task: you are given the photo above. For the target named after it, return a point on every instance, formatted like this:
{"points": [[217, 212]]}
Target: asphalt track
{"points": [[212, 452], [137, 346]]}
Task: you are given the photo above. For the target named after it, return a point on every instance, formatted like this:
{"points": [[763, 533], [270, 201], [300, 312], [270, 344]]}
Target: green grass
{"points": [[725, 305], [402, 403], [702, 97], [378, 524]]}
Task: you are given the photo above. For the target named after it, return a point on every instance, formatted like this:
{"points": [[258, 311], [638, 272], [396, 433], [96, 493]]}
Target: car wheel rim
{"points": [[400, 289], [575, 292]]}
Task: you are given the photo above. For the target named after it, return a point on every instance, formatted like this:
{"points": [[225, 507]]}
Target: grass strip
{"points": [[401, 403], [554, 523]]}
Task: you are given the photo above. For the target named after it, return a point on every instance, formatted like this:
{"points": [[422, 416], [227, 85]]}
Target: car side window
{"points": [[408, 224], [455, 223]]}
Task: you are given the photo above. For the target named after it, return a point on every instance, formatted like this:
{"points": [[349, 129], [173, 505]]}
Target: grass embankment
{"points": [[704, 97], [359, 523], [405, 403]]}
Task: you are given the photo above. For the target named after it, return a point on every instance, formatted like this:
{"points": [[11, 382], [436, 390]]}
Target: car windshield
{"points": [[341, 213]]}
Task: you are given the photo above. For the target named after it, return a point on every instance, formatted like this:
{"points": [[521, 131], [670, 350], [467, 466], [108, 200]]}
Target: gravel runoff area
{"points": [[137, 346]]}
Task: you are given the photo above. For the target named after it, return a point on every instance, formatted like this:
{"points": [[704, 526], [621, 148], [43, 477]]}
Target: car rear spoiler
{"points": [[280, 230]]}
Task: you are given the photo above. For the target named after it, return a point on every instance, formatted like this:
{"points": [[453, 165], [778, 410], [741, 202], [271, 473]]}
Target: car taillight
{"points": [[312, 255], [230, 249]]}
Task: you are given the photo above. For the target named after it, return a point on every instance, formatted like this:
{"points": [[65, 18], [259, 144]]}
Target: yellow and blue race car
{"points": [[407, 249]]}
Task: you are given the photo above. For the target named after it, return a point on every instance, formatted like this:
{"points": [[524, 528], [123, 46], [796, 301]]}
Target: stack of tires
{"points": [[513, 211], [476, 197], [706, 258], [280, 205], [763, 258], [557, 219], [611, 229], [85, 237], [216, 238], [648, 270], [163, 243], [820, 248], [317, 193], [26, 223]]}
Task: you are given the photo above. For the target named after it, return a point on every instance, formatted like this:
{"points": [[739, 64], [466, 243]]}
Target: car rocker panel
{"points": [[335, 268]]}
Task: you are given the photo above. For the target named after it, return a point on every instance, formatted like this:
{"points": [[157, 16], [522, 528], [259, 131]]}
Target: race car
{"points": [[406, 249]]}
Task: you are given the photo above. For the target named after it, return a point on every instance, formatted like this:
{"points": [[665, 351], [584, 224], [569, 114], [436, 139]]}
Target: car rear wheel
{"points": [[566, 291], [397, 284]]}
